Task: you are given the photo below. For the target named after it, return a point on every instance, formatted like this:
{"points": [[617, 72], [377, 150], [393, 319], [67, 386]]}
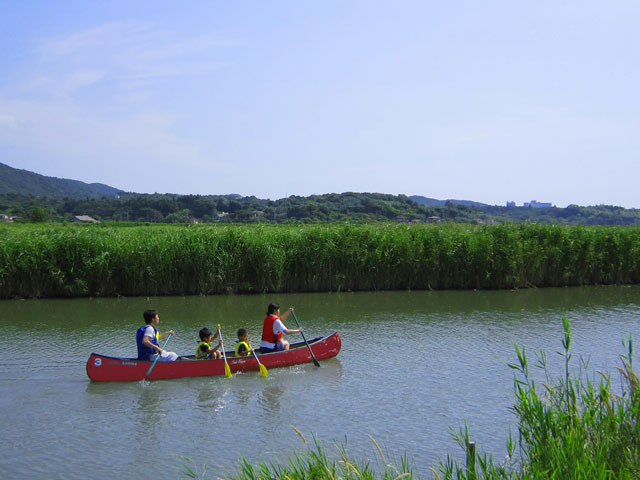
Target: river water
{"points": [[413, 365]]}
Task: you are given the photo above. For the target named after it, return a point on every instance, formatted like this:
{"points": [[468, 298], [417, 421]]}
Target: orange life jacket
{"points": [[267, 330]]}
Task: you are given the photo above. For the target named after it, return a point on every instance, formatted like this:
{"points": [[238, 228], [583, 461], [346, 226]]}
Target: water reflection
{"points": [[209, 398], [149, 411], [269, 400]]}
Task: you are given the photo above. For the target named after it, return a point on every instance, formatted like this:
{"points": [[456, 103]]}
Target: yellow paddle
{"points": [[227, 370], [263, 369]]}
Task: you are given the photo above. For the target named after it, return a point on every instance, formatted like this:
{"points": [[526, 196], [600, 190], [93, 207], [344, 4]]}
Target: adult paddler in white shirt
{"points": [[273, 328]]}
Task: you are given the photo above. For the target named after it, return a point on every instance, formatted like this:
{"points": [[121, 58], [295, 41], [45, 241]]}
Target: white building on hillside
{"points": [[536, 204]]}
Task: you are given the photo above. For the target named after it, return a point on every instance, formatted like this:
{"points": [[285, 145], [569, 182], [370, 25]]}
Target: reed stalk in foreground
{"points": [[571, 428], [317, 464]]}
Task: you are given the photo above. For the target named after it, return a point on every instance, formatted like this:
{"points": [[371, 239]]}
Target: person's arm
{"points": [[214, 349], [278, 326], [165, 334], [286, 314], [147, 343]]}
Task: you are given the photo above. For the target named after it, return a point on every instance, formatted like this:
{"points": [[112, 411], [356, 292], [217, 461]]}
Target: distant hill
{"points": [[440, 203], [23, 182]]}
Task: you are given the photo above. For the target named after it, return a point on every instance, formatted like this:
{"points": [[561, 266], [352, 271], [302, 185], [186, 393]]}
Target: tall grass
{"points": [[318, 463], [71, 260]]}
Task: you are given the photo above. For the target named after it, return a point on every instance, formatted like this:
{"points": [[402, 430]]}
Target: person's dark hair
{"points": [[242, 332], [205, 332], [272, 308], [149, 315]]}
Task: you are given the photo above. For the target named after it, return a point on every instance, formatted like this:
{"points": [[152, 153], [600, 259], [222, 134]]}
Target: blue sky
{"points": [[487, 101]]}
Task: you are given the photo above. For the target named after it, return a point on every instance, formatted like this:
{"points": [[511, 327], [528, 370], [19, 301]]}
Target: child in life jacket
{"points": [[243, 345], [204, 350], [147, 338]]}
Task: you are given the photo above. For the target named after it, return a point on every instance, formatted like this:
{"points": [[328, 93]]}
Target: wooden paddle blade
{"points": [[263, 371], [227, 370]]}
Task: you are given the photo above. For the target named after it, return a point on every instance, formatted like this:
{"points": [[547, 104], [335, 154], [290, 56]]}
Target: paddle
{"points": [[315, 360], [157, 356], [263, 369], [227, 370]]}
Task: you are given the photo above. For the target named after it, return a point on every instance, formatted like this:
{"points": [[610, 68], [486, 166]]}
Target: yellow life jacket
{"points": [[247, 347], [200, 355]]}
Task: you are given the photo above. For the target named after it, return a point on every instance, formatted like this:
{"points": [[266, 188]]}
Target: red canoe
{"points": [[101, 368]]}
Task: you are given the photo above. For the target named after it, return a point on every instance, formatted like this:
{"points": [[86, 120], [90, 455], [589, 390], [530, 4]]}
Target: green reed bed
{"points": [[576, 427], [96, 260]]}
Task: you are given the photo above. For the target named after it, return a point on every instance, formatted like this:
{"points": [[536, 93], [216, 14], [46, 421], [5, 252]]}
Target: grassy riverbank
{"points": [[574, 427], [97, 260]]}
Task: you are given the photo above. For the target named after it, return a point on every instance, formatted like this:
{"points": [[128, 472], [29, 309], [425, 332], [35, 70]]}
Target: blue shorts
{"points": [[279, 348]]}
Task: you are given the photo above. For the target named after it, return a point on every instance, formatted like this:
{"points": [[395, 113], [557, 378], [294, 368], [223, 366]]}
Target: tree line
{"points": [[327, 208]]}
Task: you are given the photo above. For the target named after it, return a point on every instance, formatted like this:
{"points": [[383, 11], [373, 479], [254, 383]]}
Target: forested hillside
{"points": [[23, 182]]}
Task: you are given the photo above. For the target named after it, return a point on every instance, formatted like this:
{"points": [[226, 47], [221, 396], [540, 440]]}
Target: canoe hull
{"points": [[101, 368]]}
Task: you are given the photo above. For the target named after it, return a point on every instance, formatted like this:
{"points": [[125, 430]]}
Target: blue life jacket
{"points": [[145, 352]]}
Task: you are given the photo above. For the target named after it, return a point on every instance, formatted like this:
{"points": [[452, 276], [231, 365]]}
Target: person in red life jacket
{"points": [[273, 328], [147, 338]]}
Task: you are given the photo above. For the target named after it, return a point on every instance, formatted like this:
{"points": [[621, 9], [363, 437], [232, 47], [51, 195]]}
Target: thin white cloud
{"points": [[8, 121], [79, 45], [64, 128], [84, 78], [132, 50]]}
